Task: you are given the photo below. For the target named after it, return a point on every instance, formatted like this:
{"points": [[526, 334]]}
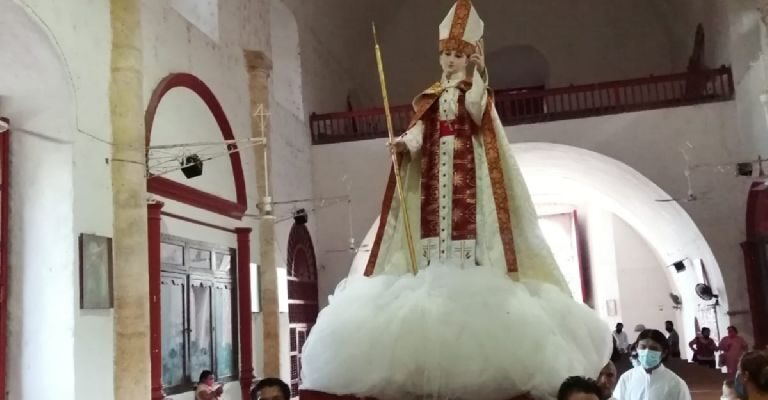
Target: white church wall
{"points": [[61, 181], [654, 144], [81, 31], [643, 281], [749, 49], [601, 251]]}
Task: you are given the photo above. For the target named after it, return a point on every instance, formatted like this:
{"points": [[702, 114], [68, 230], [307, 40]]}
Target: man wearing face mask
{"points": [[651, 380]]}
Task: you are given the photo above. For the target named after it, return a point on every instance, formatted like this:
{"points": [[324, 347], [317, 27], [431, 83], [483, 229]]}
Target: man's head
{"points": [[652, 348], [619, 327], [579, 388], [669, 326], [207, 378], [271, 389], [607, 380], [705, 332], [732, 331]]}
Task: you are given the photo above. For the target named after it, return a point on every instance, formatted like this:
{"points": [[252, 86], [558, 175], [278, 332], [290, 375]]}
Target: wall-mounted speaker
{"points": [[192, 166], [679, 266]]}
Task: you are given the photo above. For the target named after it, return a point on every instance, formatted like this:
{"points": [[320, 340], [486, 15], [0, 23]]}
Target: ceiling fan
{"points": [[351, 249]]}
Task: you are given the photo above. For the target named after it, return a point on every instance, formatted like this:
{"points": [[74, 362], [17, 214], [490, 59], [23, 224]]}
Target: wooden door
{"points": [[302, 294]]}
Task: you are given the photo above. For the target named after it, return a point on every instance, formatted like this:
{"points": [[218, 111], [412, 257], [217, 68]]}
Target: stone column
{"points": [[131, 272], [259, 67]]}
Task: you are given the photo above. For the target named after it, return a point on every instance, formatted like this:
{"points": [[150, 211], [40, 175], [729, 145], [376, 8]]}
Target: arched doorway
{"points": [[302, 292], [37, 95], [219, 282]]}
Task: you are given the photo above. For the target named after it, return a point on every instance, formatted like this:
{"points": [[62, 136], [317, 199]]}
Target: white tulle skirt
{"points": [[449, 333]]}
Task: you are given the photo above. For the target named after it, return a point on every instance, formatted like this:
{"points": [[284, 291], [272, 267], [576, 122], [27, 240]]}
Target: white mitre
{"points": [[461, 29]]}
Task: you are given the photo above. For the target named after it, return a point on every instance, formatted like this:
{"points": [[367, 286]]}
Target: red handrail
{"points": [[532, 105]]}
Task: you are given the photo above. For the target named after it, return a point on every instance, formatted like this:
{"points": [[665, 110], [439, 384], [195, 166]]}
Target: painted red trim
{"points": [[752, 222], [581, 258], [180, 192], [155, 314], [244, 309], [755, 294], [197, 222], [756, 222], [185, 193], [5, 169]]}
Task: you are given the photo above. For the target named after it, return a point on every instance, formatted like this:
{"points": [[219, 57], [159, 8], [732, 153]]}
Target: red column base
{"points": [[157, 393], [246, 381]]}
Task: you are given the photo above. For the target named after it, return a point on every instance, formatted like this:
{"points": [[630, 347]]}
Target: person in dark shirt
{"points": [[674, 340], [704, 348]]}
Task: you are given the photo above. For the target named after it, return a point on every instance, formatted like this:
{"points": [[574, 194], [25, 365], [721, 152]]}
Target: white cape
{"points": [[451, 333]]}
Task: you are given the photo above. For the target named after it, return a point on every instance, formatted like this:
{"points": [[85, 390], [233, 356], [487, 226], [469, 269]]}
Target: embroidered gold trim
{"points": [[496, 173], [460, 19]]}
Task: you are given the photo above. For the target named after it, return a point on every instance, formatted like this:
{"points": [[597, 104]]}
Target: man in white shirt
{"points": [[651, 380], [622, 341]]}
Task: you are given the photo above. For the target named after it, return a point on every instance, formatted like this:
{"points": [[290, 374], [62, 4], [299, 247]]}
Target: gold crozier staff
{"points": [[395, 163]]}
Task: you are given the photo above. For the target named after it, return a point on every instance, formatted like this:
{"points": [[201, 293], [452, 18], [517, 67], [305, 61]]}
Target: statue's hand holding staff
{"points": [[397, 146]]}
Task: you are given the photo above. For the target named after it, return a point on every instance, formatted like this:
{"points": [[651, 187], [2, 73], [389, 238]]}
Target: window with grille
{"points": [[199, 320]]}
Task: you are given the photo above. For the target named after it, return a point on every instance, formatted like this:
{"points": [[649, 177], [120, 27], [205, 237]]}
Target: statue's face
{"points": [[453, 61]]}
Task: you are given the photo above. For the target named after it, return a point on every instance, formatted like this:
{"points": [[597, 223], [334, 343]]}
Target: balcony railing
{"points": [[526, 106]]}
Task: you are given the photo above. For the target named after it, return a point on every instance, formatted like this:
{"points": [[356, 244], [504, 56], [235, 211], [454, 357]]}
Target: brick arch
{"points": [[301, 254], [186, 194], [302, 294]]}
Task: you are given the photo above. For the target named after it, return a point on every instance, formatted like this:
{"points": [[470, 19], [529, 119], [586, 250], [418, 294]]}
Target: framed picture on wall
{"points": [[95, 272]]}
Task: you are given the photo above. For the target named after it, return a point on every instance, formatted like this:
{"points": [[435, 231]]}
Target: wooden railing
{"points": [[526, 106]]}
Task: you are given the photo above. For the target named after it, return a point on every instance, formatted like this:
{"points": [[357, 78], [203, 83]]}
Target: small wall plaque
{"points": [[95, 272]]}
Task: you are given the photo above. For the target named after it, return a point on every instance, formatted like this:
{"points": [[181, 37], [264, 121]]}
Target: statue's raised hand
{"points": [[479, 57]]}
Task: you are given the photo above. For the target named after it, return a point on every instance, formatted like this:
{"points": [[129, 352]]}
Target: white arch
{"points": [[554, 171], [36, 94]]}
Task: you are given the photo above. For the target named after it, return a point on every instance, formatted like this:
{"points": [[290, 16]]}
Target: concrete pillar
{"points": [[259, 67], [131, 272]]}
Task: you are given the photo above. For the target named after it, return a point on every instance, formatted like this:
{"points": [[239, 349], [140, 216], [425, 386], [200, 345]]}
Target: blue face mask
{"points": [[649, 359], [738, 387]]}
